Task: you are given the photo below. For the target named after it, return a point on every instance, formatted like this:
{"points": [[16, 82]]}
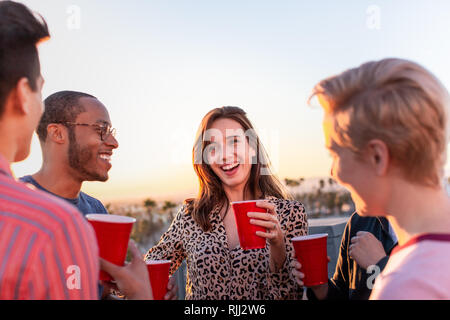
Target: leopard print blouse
{"points": [[216, 272]]}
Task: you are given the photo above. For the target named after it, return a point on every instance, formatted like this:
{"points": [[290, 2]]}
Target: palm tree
{"points": [[322, 183], [311, 199], [331, 201], [168, 206], [330, 181], [291, 183], [301, 180], [149, 204]]}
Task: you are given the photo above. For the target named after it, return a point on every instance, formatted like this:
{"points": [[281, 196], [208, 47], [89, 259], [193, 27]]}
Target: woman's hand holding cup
{"points": [[273, 233]]}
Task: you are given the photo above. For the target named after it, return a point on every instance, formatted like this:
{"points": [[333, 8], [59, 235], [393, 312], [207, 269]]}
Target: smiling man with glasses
{"points": [[77, 145]]}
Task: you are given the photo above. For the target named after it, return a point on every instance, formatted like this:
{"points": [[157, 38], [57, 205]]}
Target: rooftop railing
{"points": [[334, 227]]}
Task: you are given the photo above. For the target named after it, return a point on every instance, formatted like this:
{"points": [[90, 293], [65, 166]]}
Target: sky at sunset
{"points": [[160, 66]]}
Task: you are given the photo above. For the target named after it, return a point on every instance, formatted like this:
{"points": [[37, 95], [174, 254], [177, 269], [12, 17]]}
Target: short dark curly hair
{"points": [[60, 107]]}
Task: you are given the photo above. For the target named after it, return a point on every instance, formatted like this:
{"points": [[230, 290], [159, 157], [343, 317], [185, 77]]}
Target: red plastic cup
{"points": [[247, 231], [158, 272], [311, 252], [113, 234]]}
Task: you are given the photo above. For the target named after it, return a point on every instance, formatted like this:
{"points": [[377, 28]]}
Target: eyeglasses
{"points": [[104, 130]]}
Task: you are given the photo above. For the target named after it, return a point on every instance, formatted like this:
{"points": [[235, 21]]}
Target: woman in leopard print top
{"points": [[232, 166]]}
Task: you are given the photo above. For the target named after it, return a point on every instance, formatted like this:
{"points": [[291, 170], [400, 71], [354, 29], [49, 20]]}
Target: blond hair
{"points": [[398, 102]]}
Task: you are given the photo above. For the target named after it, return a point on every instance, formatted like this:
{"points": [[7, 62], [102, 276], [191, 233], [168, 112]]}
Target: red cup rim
{"points": [[245, 201], [110, 218], [152, 262], [310, 237]]}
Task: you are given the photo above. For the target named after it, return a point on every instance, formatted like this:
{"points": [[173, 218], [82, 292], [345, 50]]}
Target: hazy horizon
{"points": [[160, 66]]}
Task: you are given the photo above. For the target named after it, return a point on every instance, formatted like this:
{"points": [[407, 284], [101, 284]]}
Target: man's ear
{"points": [[57, 133], [378, 156], [22, 95]]}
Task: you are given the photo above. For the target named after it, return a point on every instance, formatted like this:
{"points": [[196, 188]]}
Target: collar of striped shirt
{"points": [[5, 167]]}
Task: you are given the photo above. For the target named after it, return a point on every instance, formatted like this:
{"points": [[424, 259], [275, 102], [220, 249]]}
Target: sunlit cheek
{"points": [[213, 156], [215, 168], [245, 169], [334, 170], [238, 156], [244, 154], [339, 174], [209, 158], [247, 160]]}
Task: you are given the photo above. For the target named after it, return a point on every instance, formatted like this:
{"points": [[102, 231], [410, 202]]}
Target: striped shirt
{"points": [[47, 249]]}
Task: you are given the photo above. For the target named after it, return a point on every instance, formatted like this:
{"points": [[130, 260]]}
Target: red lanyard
{"points": [[423, 237]]}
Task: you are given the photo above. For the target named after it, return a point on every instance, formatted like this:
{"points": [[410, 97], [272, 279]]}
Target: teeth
{"points": [[230, 166], [105, 157]]}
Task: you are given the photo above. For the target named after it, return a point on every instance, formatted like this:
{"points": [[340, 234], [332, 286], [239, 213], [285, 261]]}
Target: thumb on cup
{"points": [[109, 267], [135, 253]]}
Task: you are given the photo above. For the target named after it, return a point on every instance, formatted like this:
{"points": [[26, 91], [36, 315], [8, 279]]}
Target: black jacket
{"points": [[350, 280]]}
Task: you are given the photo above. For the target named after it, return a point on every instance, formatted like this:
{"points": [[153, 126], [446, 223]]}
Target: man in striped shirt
{"points": [[47, 249]]}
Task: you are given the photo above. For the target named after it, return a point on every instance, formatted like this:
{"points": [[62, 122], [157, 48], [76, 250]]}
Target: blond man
{"points": [[386, 127]]}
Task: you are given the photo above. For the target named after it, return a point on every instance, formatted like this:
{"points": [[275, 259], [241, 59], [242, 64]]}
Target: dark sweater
{"points": [[350, 280]]}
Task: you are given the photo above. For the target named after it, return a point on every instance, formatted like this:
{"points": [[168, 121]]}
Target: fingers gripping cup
{"points": [[158, 272], [113, 234], [311, 252], [247, 231]]}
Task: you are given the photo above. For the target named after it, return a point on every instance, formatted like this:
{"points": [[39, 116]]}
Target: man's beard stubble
{"points": [[79, 158]]}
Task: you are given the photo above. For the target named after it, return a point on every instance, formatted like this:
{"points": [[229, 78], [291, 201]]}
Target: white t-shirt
{"points": [[420, 269]]}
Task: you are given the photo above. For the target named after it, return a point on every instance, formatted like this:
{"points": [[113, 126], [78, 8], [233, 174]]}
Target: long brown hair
{"points": [[211, 192]]}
